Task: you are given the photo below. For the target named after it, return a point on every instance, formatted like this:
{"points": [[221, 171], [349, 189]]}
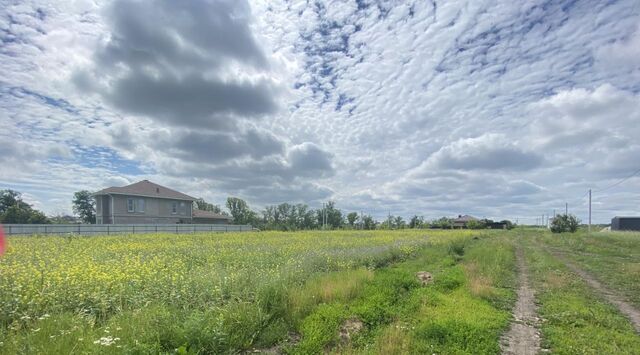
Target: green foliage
{"points": [[240, 211], [84, 205], [287, 217], [352, 218], [477, 224], [368, 223], [416, 222], [565, 223], [442, 223], [331, 215], [202, 205], [15, 211], [510, 225]]}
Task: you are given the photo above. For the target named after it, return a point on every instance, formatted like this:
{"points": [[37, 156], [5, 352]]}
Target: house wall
{"points": [[156, 210], [103, 209]]}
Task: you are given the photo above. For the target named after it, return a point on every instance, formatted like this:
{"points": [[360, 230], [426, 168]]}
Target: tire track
{"points": [[615, 299], [523, 337]]}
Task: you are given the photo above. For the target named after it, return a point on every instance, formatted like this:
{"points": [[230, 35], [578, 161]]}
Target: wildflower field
{"points": [[64, 293], [343, 292]]}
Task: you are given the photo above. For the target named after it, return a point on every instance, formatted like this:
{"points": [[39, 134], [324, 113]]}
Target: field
{"points": [[342, 292]]}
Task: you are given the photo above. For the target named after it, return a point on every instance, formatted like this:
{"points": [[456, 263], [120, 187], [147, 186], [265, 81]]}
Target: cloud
{"points": [[499, 109], [216, 147], [487, 152], [181, 68]]}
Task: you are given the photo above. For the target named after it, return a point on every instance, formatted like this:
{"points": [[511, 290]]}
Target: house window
{"points": [[183, 209], [140, 205], [131, 206], [174, 207]]}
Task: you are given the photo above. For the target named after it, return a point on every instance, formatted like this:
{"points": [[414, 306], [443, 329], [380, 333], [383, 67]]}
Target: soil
{"points": [[424, 277], [523, 338], [615, 299], [350, 328]]}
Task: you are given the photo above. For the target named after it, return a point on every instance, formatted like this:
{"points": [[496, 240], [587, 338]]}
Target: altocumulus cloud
{"points": [[495, 108], [489, 152]]}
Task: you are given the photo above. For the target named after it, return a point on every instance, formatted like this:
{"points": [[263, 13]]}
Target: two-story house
{"points": [[143, 202]]}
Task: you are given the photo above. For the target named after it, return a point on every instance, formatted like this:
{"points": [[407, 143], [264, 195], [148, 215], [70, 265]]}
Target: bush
{"points": [[565, 223]]}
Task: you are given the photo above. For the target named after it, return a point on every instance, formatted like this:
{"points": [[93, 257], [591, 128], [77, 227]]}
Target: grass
{"points": [[575, 319], [614, 258], [306, 292], [204, 293], [401, 316]]}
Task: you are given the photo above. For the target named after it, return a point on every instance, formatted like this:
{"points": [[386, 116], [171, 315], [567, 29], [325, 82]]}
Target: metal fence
{"points": [[106, 229]]}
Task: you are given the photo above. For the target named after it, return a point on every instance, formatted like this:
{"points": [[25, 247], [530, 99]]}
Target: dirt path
{"points": [[625, 308], [523, 338]]}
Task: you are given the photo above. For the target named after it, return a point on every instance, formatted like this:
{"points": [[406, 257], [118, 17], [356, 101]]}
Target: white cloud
{"points": [[495, 108]]}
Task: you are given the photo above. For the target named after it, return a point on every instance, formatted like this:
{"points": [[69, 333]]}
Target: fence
{"points": [[102, 229]]}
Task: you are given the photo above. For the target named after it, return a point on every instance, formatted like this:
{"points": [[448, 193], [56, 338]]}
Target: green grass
{"points": [[613, 258], [464, 310], [575, 319], [232, 293]]}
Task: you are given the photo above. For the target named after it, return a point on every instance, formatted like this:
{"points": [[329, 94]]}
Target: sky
{"points": [[498, 109]]}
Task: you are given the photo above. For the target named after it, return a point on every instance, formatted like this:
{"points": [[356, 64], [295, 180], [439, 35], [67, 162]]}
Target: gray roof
{"points": [[208, 214], [465, 218], [146, 188]]}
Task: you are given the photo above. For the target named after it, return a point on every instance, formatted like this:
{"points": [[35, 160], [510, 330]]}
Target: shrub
{"points": [[565, 223]]}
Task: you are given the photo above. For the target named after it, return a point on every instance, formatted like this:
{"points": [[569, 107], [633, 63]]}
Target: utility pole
{"points": [[589, 211], [323, 216], [566, 208]]}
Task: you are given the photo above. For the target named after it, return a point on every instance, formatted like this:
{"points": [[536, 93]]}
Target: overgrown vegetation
{"points": [[155, 293], [347, 292], [565, 223]]}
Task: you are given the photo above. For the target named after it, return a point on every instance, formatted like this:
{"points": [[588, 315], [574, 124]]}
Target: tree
{"points": [[399, 223], [368, 222], [241, 212], [14, 210], [333, 216], [84, 206], [565, 223], [473, 224], [8, 198], [416, 222], [509, 225], [202, 205], [352, 218], [444, 223]]}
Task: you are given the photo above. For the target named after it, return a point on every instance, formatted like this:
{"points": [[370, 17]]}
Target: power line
{"points": [[619, 182]]}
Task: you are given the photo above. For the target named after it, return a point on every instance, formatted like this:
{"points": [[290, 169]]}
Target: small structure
{"points": [[625, 224], [142, 203], [461, 221], [207, 217]]}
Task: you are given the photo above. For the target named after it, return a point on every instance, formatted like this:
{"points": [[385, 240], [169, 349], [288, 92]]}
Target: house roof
{"points": [[146, 188], [465, 218], [208, 214]]}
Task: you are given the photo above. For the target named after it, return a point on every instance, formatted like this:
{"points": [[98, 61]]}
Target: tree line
{"points": [[283, 217]]}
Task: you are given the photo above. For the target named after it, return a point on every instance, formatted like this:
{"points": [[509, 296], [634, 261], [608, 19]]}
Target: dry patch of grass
{"points": [[335, 287], [395, 339], [479, 285]]}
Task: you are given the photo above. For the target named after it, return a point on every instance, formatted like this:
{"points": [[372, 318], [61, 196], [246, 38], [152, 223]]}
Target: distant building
{"points": [[625, 224], [206, 217], [461, 221], [143, 203]]}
